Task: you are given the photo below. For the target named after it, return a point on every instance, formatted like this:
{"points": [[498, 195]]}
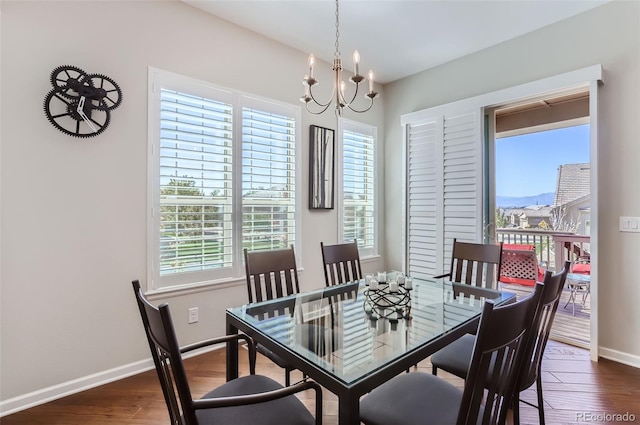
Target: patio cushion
{"points": [[581, 268]]}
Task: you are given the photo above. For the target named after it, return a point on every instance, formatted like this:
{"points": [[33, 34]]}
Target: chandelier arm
{"points": [[322, 105], [355, 93], [325, 107], [363, 110]]}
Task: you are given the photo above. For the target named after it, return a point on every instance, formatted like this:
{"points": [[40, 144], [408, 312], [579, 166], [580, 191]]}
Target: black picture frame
{"points": [[321, 167]]}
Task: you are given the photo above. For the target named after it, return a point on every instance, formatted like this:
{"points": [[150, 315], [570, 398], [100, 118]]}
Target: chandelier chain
{"points": [[337, 53]]}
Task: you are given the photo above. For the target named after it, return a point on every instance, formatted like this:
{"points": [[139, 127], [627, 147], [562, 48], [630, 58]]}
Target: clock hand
{"points": [[80, 111]]}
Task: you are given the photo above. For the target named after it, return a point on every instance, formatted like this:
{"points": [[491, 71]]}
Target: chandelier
{"points": [[338, 95]]}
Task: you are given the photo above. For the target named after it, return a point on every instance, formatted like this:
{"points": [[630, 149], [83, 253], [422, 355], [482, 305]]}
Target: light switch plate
{"points": [[630, 224]]}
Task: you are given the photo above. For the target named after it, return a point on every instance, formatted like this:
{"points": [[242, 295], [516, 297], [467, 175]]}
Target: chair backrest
{"points": [[498, 353], [341, 263], [474, 263], [271, 274], [167, 358], [548, 305], [519, 266]]}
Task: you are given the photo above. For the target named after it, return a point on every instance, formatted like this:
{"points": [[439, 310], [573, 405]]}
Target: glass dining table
{"points": [[350, 338]]}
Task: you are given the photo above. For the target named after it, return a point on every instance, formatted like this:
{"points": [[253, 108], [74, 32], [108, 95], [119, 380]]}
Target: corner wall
{"points": [[607, 35]]}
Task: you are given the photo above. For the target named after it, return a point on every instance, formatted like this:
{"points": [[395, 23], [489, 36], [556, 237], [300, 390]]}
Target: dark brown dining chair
{"points": [[341, 263], [272, 274], [474, 264], [418, 397], [455, 357], [251, 399]]}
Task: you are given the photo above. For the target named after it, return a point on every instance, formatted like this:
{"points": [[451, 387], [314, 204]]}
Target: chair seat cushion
{"points": [[287, 410], [411, 399], [455, 357]]}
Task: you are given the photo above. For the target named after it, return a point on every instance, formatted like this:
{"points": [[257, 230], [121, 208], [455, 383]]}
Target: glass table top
{"points": [[350, 330]]}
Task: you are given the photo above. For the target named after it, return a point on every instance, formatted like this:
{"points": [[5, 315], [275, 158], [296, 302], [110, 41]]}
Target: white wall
{"points": [[74, 210], [607, 35]]}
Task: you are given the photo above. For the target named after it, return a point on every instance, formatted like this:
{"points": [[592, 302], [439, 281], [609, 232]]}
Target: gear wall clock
{"points": [[80, 104]]}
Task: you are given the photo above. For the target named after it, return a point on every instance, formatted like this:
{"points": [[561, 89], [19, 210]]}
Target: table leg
{"points": [[232, 354], [348, 410]]}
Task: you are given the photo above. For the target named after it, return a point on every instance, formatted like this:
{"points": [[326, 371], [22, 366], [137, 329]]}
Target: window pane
{"points": [[195, 183], [358, 188], [268, 180]]}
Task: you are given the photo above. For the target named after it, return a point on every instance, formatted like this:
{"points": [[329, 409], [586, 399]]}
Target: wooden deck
{"points": [[574, 330]]}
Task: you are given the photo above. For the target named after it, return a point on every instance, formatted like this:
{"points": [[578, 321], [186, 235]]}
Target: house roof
{"points": [[529, 212], [573, 182]]}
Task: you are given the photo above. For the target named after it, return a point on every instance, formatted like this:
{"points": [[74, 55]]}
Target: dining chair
{"points": [[421, 398], [341, 263], [474, 264], [251, 399], [455, 357], [272, 274]]}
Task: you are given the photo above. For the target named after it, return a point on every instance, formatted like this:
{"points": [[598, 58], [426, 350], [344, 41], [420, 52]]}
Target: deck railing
{"points": [[552, 247]]}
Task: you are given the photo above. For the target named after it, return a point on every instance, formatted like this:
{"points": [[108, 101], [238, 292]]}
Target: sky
{"points": [[527, 165]]}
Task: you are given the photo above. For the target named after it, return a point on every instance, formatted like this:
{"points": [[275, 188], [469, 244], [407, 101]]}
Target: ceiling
{"points": [[395, 38]]}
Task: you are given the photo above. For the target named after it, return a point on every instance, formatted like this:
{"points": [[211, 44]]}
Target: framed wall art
{"points": [[321, 167]]}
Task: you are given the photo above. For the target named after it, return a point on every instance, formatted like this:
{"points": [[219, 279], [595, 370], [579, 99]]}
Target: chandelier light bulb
{"points": [[356, 61], [312, 61], [370, 81]]}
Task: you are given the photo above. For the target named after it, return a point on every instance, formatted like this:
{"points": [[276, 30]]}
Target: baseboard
{"points": [[619, 356], [45, 395]]}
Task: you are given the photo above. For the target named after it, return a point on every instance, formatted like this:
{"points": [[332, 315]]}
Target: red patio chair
{"points": [[520, 265]]}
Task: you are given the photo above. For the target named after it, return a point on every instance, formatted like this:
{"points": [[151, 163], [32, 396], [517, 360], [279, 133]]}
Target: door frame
{"points": [[589, 78]]}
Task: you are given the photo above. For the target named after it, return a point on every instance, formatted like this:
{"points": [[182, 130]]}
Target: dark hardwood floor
{"points": [[573, 386]]}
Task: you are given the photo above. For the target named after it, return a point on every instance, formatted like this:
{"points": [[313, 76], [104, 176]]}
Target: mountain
{"points": [[524, 201]]}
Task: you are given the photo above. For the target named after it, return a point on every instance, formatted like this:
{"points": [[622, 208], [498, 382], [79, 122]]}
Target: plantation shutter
{"points": [[268, 178], [424, 191], [462, 180], [358, 187], [195, 155], [444, 186]]}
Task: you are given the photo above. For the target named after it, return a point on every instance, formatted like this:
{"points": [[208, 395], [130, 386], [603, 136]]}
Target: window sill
{"points": [[193, 288], [370, 258]]}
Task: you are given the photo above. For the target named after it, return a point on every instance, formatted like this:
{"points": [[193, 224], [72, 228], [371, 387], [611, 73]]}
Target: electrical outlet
{"points": [[193, 314]]}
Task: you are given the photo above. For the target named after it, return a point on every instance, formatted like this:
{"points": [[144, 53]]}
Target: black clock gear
{"points": [[107, 89], [66, 78], [80, 104], [63, 113]]}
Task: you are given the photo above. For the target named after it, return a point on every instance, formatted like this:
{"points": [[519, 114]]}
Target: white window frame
{"points": [[372, 131], [158, 79]]}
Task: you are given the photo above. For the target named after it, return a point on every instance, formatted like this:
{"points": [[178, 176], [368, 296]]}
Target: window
{"points": [[359, 218], [222, 178]]}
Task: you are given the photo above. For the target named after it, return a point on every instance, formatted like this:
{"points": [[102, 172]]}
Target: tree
{"points": [[561, 222], [183, 220], [502, 220]]}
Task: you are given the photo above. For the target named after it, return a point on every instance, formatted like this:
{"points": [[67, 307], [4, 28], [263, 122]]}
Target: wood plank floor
{"points": [[572, 385]]}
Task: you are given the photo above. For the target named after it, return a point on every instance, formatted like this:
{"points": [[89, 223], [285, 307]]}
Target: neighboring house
{"points": [[572, 204], [533, 217]]}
